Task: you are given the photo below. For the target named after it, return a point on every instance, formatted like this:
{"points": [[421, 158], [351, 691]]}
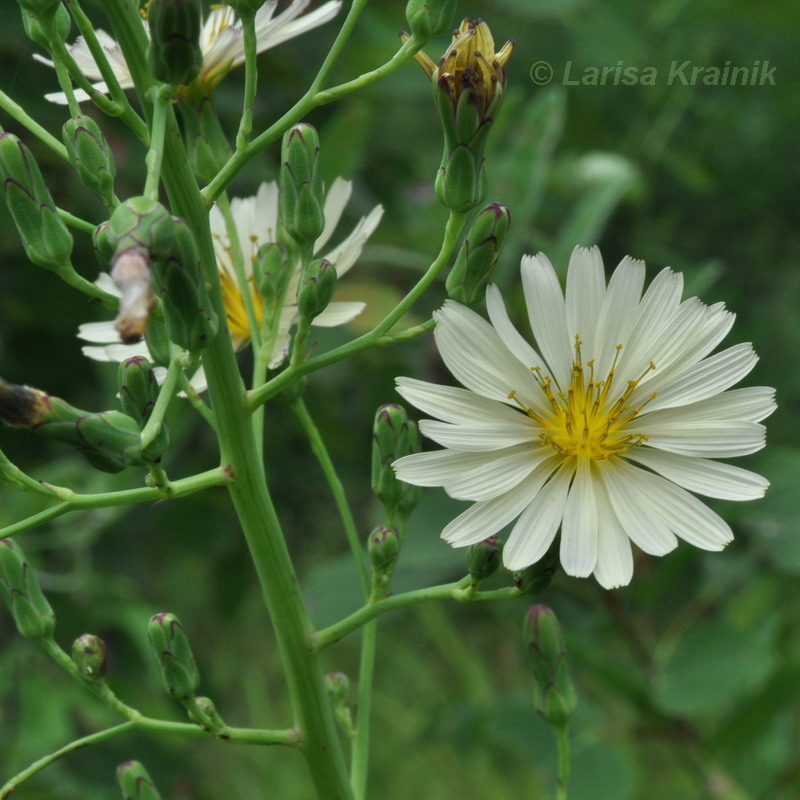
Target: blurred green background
{"points": [[687, 678]]}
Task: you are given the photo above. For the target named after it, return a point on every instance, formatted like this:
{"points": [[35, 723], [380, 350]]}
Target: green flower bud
{"points": [[338, 686], [537, 577], [484, 558], [91, 156], [45, 237], [138, 392], [412, 494], [108, 440], [245, 7], [90, 657], [175, 56], [301, 199], [135, 782], [427, 18], [478, 255], [205, 713], [392, 438], [23, 595], [553, 690], [316, 288], [383, 547], [174, 655], [157, 339], [208, 146], [44, 7], [191, 320], [36, 28], [272, 272]]}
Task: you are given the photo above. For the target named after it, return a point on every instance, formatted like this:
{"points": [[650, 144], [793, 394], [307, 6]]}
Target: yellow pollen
{"points": [[583, 421]]}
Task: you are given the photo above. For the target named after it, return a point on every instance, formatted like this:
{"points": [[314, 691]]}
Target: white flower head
{"points": [[602, 431], [256, 224], [221, 42]]}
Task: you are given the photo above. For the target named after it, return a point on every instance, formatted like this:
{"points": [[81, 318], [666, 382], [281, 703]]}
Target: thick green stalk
{"points": [[251, 499]]}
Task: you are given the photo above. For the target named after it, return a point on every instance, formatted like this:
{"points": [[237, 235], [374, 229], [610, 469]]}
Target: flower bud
{"points": [[23, 595], [484, 558], [208, 147], [205, 713], [174, 655], [103, 244], [36, 28], [138, 392], [89, 655], [478, 255], [108, 440], [243, 7], [272, 272], [157, 338], [301, 198], [383, 547], [45, 237], [537, 577], [135, 782], [175, 56], [412, 494], [316, 288], [427, 18], [392, 438], [338, 686], [90, 156], [44, 7], [553, 690]]}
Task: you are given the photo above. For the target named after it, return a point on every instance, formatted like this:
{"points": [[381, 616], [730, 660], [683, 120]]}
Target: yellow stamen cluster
{"points": [[582, 421]]}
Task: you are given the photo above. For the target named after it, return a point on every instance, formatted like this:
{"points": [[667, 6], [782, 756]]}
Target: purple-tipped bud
{"points": [[383, 547], [338, 686], [316, 288], [174, 655], [23, 595], [90, 657], [484, 558], [301, 199], [135, 782], [393, 436]]}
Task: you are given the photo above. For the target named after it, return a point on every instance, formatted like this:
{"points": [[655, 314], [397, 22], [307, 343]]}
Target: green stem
{"points": [[449, 591], [76, 281], [562, 742], [66, 86], [161, 99], [153, 425], [197, 402], [407, 334], [18, 113], [76, 222], [249, 40], [126, 497], [359, 765], [453, 229]]}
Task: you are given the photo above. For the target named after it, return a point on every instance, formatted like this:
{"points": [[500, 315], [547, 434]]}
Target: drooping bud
{"points": [[23, 595], [90, 156], [36, 27], [45, 237], [468, 85], [537, 577], [175, 56], [138, 392], [191, 320], [391, 439], [427, 18], [553, 690], [478, 255], [383, 547], [109, 440], [301, 198], [316, 288], [484, 558], [90, 657], [272, 272], [135, 782], [174, 655]]}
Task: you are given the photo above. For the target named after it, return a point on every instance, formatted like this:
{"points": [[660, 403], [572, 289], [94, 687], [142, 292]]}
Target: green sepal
{"points": [[427, 18], [142, 223], [484, 558], [90, 156], [175, 56], [138, 392], [316, 288], [36, 28], [460, 183], [157, 338], [135, 782], [90, 656], [174, 655], [23, 595], [46, 239], [204, 713]]}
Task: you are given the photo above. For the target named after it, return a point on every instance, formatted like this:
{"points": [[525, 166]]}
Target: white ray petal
{"points": [[578, 550], [586, 289], [99, 332], [473, 438], [437, 467], [338, 313], [614, 566], [706, 440]]}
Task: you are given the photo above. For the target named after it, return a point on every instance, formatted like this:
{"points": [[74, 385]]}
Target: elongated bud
{"points": [[316, 288], [174, 655], [412, 494], [138, 392], [427, 18], [484, 558], [175, 55], [392, 438], [135, 782], [109, 440], [537, 577], [91, 156], [90, 657], [157, 338], [36, 27], [191, 321], [301, 199], [383, 547], [272, 272], [553, 690], [478, 255], [45, 237], [23, 595]]}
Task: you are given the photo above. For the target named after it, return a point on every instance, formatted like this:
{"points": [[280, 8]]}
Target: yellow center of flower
{"points": [[583, 421]]}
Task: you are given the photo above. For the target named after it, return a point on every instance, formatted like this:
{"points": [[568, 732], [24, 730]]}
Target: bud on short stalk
{"points": [[272, 272], [174, 655], [393, 436], [301, 197], [23, 595], [39, 28], [138, 392], [484, 558], [90, 156], [316, 288], [90, 657], [427, 18], [135, 782]]}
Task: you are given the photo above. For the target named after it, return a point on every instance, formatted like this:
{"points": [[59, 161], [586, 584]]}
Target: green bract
{"points": [[23, 595]]}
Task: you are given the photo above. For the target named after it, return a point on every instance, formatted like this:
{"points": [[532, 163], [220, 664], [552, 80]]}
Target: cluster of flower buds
{"points": [[394, 435], [175, 56], [90, 156], [553, 690], [138, 392], [23, 595], [478, 255], [135, 782], [90, 656], [271, 272], [383, 548], [316, 289], [109, 439], [44, 235], [468, 85]]}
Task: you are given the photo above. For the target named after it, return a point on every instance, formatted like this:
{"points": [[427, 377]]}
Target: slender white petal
{"points": [[116, 352], [99, 332], [747, 405], [437, 467], [586, 288], [344, 255], [473, 438], [335, 201], [338, 313], [509, 335], [579, 528], [707, 440], [614, 566]]}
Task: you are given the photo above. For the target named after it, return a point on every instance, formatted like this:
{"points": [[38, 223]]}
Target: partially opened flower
{"points": [[221, 42], [602, 431], [256, 221]]}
